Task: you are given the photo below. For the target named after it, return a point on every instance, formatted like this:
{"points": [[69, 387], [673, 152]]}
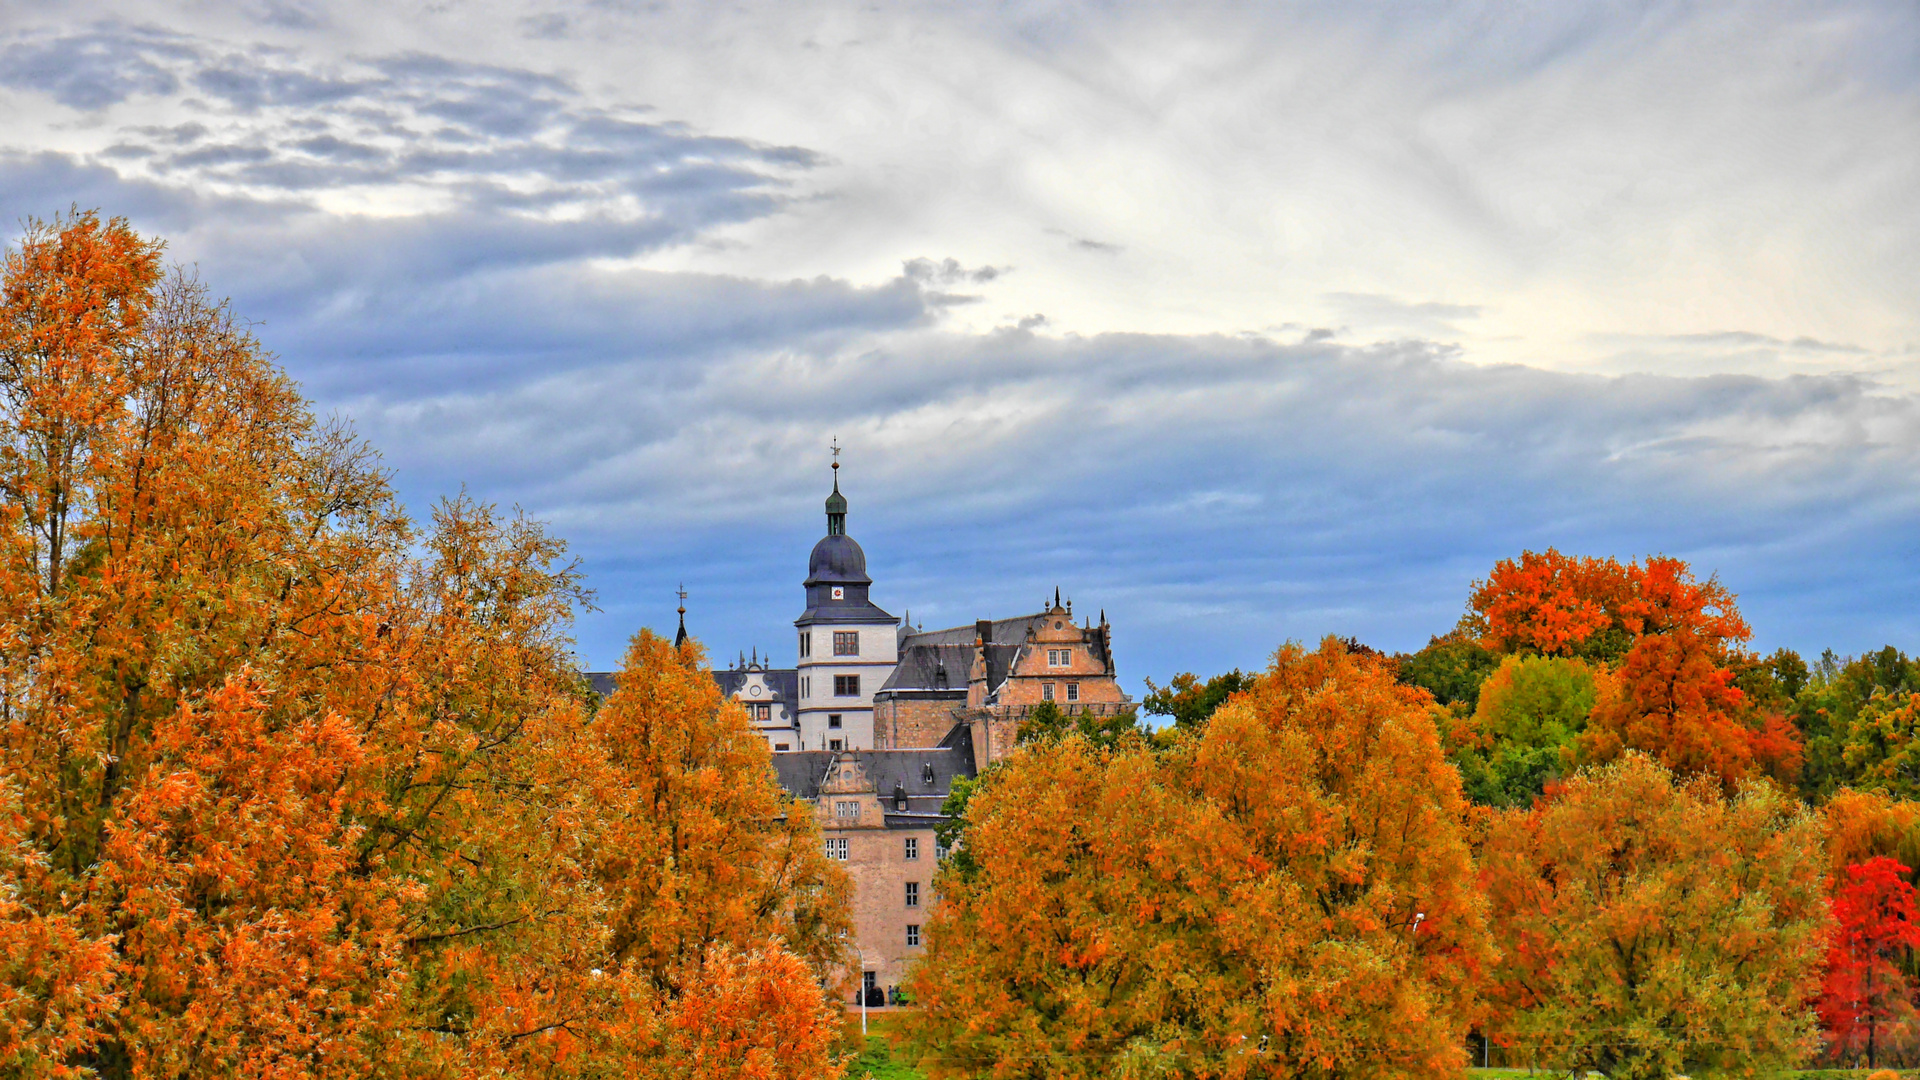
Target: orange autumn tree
{"points": [[287, 788], [1671, 645], [1286, 891], [1651, 928]]}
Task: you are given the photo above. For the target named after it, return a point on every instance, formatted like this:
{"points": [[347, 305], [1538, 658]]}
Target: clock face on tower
{"points": [[839, 593]]}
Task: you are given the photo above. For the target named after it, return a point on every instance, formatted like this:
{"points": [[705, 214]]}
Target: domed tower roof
{"points": [[837, 560], [837, 580]]}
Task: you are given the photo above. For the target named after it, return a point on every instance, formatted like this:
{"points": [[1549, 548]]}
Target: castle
{"points": [[877, 719]]}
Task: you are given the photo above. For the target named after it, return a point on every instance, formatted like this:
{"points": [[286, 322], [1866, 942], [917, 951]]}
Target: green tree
{"points": [[1188, 702], [1048, 722], [1451, 668], [1522, 735], [1842, 748]]}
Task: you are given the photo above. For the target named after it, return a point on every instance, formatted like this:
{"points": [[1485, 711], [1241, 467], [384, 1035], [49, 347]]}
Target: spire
{"points": [[680, 638], [1056, 597], [836, 502]]}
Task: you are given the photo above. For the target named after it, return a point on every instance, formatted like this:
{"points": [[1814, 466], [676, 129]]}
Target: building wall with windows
{"points": [[877, 811]]}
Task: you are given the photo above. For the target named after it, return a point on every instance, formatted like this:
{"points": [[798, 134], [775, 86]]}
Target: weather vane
{"points": [[835, 447]]}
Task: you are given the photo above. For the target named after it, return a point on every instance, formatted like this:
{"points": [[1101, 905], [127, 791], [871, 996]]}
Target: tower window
{"points": [[806, 643], [846, 643], [1046, 691], [833, 720], [846, 686], [913, 894]]}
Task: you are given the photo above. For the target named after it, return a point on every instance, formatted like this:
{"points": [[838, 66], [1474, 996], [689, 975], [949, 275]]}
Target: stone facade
{"points": [[877, 811]]}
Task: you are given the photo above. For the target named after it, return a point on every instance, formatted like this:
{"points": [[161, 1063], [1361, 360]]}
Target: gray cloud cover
{"points": [[1216, 493]]}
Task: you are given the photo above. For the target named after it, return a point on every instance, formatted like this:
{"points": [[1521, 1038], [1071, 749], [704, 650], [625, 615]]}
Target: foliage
{"points": [[1653, 928], [1188, 701], [1048, 722], [1286, 890], [1522, 733], [1451, 668], [1842, 747], [289, 788], [1593, 608], [1875, 925]]}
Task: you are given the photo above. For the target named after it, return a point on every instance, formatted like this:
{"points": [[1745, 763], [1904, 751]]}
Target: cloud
{"points": [[504, 274], [98, 67]]}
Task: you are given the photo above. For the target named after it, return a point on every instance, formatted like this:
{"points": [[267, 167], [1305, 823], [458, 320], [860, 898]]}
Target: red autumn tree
{"points": [[1876, 925], [1671, 642]]}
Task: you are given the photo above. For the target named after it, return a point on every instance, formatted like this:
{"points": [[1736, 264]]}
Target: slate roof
{"points": [[801, 774], [923, 652], [921, 667], [784, 682]]}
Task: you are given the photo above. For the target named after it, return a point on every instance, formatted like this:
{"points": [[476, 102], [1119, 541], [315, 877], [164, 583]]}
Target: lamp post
{"points": [[860, 984]]}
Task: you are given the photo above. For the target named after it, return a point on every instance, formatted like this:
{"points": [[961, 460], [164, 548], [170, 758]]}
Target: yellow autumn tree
{"points": [[1287, 891], [289, 788], [1651, 927]]}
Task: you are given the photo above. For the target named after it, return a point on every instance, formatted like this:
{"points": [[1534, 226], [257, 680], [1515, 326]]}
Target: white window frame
{"points": [[1073, 691], [913, 894], [846, 808], [913, 848], [913, 935], [837, 848], [1059, 657], [1046, 691]]}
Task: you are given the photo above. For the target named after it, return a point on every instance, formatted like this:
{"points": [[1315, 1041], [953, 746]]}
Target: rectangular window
{"points": [[847, 808], [913, 934], [833, 720], [806, 687], [939, 850], [913, 847], [1046, 691], [846, 686], [913, 894], [837, 848], [806, 643], [846, 643], [1059, 657], [781, 748], [833, 744], [1073, 691]]}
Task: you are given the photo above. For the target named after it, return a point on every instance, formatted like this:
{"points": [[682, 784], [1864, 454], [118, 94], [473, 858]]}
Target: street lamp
{"points": [[860, 984]]}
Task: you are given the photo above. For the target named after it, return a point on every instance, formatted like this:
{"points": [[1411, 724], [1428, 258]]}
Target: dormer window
{"points": [[926, 772]]}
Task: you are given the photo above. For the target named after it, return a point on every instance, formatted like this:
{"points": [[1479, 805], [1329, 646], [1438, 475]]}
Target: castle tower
{"points": [[848, 646]]}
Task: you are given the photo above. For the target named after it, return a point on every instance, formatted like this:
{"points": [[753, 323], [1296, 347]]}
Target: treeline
{"points": [[1587, 829], [294, 786]]}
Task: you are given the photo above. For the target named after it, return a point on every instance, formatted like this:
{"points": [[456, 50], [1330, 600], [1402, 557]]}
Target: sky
{"points": [[1241, 326]]}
